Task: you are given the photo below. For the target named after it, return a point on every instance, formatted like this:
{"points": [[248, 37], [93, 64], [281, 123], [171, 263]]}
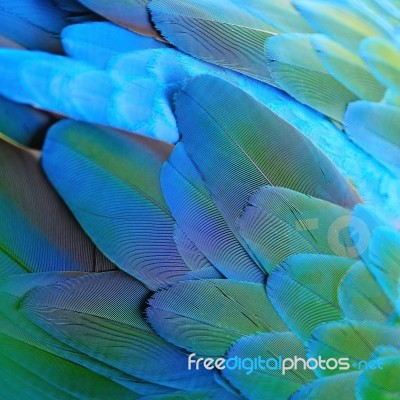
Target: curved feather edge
{"points": [[110, 181], [185, 315], [268, 380], [111, 329], [304, 291]]}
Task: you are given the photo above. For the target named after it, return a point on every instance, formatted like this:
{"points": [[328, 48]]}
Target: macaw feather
{"points": [[347, 68], [269, 382], [277, 223], [381, 382], [182, 314], [197, 215], [297, 70], [38, 233], [304, 291], [98, 42], [110, 329], [355, 341], [117, 199], [361, 297], [131, 14], [329, 388], [223, 33]]}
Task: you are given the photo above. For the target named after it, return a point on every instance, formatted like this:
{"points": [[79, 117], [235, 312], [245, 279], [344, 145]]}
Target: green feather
{"points": [[185, 314], [278, 222], [296, 68]]}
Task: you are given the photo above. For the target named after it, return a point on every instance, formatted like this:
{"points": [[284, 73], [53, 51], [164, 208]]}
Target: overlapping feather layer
{"points": [[224, 218]]}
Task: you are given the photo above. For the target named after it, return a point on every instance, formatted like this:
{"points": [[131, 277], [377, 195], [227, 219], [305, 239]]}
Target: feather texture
{"points": [[182, 314], [129, 220], [37, 232], [278, 222]]}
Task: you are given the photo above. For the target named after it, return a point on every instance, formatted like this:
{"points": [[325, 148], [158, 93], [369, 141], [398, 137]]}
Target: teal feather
{"points": [[197, 215], [131, 14], [23, 124], [234, 141], [277, 223], [38, 233], [304, 291], [362, 298], [184, 314], [110, 329], [129, 221], [16, 326], [271, 382], [98, 42], [330, 388], [355, 341]]}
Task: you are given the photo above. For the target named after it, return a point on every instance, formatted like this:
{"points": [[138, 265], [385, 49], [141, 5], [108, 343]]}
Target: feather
{"points": [[182, 314], [278, 13], [26, 77], [9, 43], [383, 58], [374, 127], [98, 42], [37, 24], [340, 22], [304, 291], [85, 314], [297, 70], [330, 388], [355, 341], [195, 395], [252, 148], [361, 297], [78, 89], [270, 381], [363, 223], [278, 222], [47, 376], [197, 215], [131, 14], [117, 199], [23, 124], [15, 325], [384, 253], [192, 256], [37, 232], [347, 68], [223, 33], [381, 382]]}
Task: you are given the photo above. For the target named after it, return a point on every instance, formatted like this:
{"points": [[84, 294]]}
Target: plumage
{"points": [[226, 34], [23, 124], [377, 383], [191, 205], [130, 220], [304, 291], [38, 232], [277, 223], [75, 323], [354, 340], [182, 315], [38, 24], [98, 42], [131, 14], [299, 72], [224, 191], [329, 388], [361, 297], [269, 382]]}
